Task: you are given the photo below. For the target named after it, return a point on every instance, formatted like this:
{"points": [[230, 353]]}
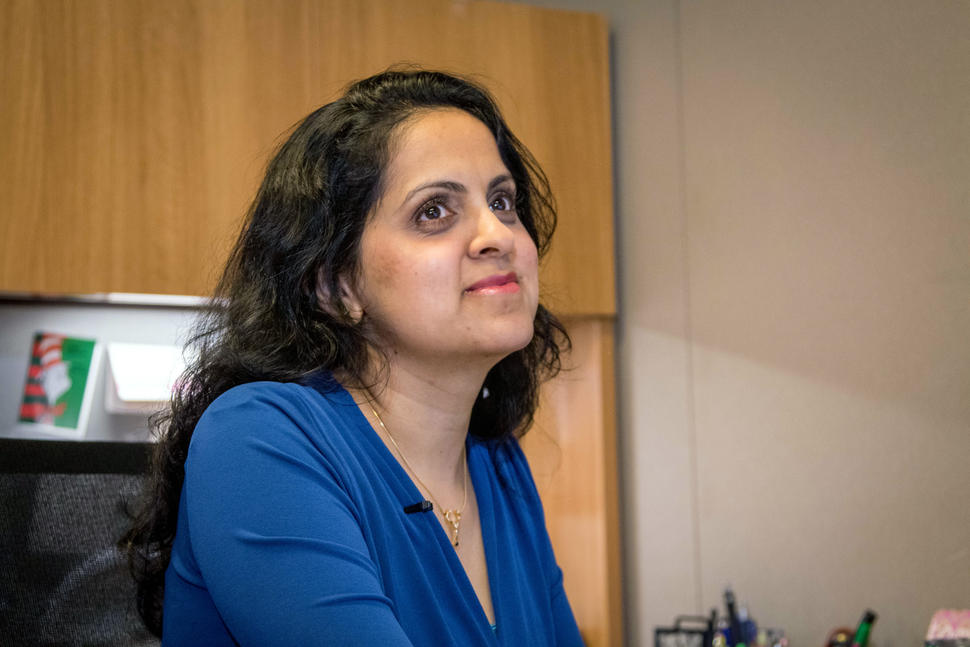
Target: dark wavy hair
{"points": [[267, 319]]}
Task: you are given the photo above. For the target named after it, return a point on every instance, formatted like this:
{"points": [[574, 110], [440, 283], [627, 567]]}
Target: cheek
{"points": [[383, 270], [528, 258], [397, 277]]}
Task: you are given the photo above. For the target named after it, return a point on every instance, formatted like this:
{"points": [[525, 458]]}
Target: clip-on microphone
{"points": [[420, 506]]}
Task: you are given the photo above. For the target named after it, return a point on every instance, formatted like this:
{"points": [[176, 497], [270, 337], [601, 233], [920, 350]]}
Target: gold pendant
{"points": [[453, 517]]}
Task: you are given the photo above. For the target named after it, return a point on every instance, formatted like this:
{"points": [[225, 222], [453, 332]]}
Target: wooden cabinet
{"points": [[572, 453], [134, 133]]}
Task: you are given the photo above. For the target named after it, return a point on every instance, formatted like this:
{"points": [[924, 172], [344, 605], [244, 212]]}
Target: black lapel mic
{"points": [[420, 506]]}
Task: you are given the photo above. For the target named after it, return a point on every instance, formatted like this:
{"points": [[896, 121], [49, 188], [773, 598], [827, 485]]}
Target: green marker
{"points": [[865, 628]]}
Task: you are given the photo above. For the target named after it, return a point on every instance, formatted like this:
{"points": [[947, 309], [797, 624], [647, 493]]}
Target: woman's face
{"points": [[448, 272]]}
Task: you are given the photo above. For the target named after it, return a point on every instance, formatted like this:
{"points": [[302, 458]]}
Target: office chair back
{"points": [[63, 506]]}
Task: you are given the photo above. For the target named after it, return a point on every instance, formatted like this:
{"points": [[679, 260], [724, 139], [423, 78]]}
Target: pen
{"points": [[737, 634]]}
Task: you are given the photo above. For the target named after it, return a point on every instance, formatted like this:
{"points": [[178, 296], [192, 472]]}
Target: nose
{"points": [[492, 236]]}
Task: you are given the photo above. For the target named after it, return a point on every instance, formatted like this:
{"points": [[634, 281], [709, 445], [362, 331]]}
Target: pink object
{"points": [[949, 623]]}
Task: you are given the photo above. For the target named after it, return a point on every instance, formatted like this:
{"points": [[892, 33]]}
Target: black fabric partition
{"points": [[63, 506]]}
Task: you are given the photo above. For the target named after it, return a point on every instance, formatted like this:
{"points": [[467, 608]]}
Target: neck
{"points": [[427, 411]]}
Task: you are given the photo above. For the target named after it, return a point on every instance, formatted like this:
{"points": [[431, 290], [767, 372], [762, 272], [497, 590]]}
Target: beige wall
{"points": [[793, 197]]}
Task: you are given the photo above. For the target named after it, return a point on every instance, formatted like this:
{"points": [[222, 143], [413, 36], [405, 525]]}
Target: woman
{"points": [[341, 466]]}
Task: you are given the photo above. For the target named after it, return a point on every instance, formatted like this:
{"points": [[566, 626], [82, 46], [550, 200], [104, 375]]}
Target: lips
{"points": [[495, 284]]}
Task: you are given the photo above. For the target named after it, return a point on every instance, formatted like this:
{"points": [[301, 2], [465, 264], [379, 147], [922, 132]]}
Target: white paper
{"points": [[141, 376]]}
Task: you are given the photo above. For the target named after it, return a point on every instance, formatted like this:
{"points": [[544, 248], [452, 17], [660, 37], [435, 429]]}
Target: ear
{"points": [[346, 305]]}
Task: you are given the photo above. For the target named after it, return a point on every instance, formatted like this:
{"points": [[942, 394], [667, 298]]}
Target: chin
{"points": [[513, 340]]}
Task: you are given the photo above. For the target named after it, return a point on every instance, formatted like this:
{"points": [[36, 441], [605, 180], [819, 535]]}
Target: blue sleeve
{"points": [[274, 534]]}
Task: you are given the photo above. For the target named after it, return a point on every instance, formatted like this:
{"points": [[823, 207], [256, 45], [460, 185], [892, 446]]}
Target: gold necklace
{"points": [[452, 516]]}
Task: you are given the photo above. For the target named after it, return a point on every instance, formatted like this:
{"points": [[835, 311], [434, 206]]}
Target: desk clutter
{"points": [[847, 637], [62, 373], [737, 628], [949, 628], [734, 628]]}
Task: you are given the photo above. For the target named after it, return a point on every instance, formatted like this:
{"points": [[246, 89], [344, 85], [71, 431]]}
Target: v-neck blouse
{"points": [[292, 531]]}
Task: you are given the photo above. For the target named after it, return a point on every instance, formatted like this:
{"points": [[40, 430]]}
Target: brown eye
{"points": [[502, 203], [435, 215], [432, 210]]}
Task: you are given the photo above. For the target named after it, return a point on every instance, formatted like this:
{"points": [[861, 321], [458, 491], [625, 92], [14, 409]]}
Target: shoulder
{"points": [[257, 394], [289, 417], [267, 397], [516, 502], [511, 467], [296, 402]]}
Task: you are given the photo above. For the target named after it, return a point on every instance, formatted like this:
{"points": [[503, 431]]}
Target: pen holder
{"points": [[688, 631]]}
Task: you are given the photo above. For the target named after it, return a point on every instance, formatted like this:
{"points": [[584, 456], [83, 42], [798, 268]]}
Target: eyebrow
{"points": [[456, 187]]}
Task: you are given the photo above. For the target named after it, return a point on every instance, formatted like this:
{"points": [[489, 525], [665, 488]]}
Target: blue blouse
{"points": [[292, 531]]}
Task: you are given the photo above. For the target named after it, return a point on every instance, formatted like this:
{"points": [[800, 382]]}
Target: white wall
{"points": [[793, 198]]}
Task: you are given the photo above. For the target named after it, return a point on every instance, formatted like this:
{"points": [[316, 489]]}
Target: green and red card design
{"points": [[60, 379]]}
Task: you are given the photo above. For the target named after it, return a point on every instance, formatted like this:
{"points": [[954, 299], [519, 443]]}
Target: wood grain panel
{"points": [[133, 134], [572, 451]]}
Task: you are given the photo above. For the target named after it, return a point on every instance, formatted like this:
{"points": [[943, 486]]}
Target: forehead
{"points": [[440, 143]]}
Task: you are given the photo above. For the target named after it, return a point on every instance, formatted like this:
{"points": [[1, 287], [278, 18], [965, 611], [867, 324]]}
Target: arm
{"points": [[275, 535]]}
